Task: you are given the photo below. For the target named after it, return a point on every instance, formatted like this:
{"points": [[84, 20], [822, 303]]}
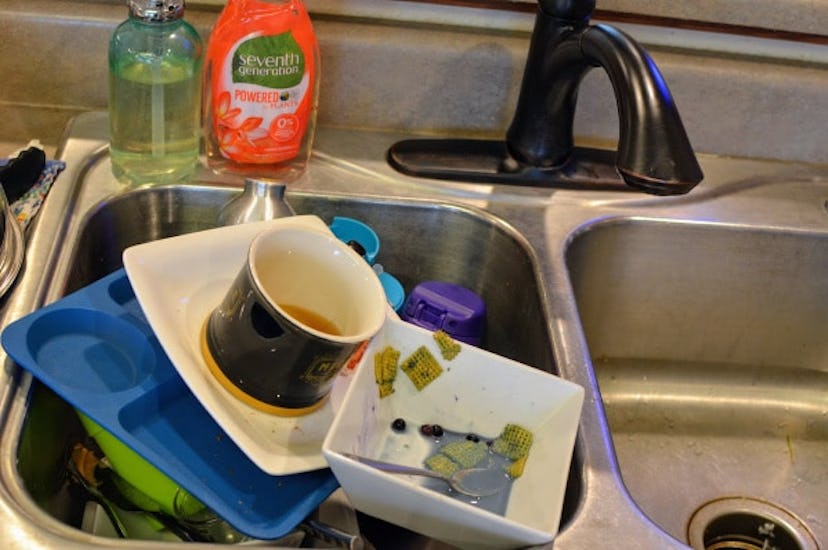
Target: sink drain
{"points": [[741, 523]]}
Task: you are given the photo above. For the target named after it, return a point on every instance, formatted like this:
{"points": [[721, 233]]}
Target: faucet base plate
{"points": [[488, 161]]}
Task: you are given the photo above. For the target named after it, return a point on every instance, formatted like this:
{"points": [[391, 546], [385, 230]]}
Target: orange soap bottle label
{"points": [[262, 80]]}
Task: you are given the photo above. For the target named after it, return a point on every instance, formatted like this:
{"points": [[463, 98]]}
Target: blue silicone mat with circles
{"points": [[95, 349]]}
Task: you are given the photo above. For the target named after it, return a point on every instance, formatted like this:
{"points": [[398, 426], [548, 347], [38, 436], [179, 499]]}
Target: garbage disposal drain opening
{"points": [[741, 523]]}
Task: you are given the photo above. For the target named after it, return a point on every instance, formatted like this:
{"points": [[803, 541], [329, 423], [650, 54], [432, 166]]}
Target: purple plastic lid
{"points": [[456, 310]]}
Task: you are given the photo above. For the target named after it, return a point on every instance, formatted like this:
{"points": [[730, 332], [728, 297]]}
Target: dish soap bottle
{"points": [[155, 80], [262, 86]]}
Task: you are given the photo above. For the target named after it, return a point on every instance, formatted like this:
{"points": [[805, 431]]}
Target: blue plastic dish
{"points": [[393, 290], [349, 229], [95, 349]]}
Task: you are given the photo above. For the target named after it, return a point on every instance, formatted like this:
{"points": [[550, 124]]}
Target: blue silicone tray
{"points": [[95, 349]]}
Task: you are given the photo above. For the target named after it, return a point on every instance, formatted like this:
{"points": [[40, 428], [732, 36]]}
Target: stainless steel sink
{"points": [[420, 240], [695, 324], [710, 346]]}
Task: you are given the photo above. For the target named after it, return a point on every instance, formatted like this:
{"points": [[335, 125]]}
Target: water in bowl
{"points": [[402, 441]]}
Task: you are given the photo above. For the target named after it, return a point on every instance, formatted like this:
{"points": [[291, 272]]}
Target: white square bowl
{"points": [[478, 392]]}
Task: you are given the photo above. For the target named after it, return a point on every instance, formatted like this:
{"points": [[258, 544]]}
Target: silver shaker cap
{"points": [[156, 10]]}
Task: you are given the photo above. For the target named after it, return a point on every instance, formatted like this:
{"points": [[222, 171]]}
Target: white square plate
{"points": [[478, 392], [178, 281]]}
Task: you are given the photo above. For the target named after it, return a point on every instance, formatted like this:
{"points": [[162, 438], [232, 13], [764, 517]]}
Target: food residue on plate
{"points": [[513, 444], [449, 348], [421, 367], [385, 369]]}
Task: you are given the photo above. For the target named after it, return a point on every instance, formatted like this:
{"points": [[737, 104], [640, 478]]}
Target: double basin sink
{"points": [[697, 326]]}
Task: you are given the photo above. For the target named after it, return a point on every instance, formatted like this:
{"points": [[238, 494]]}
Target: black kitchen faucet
{"points": [[654, 154]]}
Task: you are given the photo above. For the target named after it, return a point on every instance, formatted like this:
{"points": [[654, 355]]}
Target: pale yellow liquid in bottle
{"points": [[154, 129]]}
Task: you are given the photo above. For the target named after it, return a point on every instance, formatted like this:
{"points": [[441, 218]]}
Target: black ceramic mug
{"points": [[294, 314]]}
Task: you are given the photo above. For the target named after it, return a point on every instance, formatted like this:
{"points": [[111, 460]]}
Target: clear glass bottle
{"points": [[155, 80], [261, 89]]}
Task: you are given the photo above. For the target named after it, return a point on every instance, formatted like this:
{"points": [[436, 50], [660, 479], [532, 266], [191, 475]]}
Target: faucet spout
{"points": [[654, 152]]}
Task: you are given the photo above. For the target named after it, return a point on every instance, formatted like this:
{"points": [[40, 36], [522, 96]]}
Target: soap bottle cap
{"points": [[156, 10]]}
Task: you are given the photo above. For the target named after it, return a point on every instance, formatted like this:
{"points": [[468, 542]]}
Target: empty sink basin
{"points": [[710, 346]]}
